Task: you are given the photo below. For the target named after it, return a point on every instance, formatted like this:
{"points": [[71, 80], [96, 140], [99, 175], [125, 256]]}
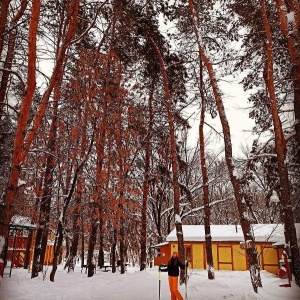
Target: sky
{"points": [[136, 285], [236, 104]]}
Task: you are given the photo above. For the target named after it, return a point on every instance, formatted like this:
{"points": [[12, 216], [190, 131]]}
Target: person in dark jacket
{"points": [[173, 272]]}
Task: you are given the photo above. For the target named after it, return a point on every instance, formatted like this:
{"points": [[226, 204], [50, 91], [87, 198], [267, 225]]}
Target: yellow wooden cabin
{"points": [[227, 244]]}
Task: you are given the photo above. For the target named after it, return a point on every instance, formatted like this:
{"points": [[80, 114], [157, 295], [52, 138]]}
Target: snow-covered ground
{"points": [[136, 285]]}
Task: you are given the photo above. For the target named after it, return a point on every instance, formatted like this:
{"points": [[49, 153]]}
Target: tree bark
{"points": [[208, 244], [23, 141], [18, 153], [10, 51], [3, 21], [245, 223], [281, 150], [293, 41], [143, 262], [57, 249], [175, 168], [71, 261], [92, 241]]}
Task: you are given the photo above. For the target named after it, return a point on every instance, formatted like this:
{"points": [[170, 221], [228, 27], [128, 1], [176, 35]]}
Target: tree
{"points": [[143, 261], [293, 40], [280, 145], [18, 154], [24, 140], [208, 244], [245, 223]]}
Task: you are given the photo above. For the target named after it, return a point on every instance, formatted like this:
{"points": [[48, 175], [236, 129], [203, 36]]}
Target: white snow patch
{"points": [[177, 219], [136, 285], [273, 233]]}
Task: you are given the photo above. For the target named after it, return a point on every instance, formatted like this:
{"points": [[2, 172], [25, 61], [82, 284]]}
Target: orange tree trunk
{"points": [[245, 223], [175, 169], [208, 245], [293, 42], [23, 141], [143, 261], [18, 153], [280, 146]]}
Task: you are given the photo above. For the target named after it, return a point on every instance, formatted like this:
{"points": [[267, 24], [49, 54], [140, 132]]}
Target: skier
{"points": [[173, 272]]}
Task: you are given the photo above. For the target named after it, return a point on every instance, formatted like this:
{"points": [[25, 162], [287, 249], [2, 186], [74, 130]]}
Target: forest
{"points": [[95, 101]]}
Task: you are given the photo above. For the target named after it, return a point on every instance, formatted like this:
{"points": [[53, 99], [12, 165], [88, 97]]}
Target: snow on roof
{"points": [[262, 233], [21, 221], [159, 245]]}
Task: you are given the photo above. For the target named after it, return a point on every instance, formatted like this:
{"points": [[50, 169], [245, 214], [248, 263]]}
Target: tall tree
{"points": [[175, 169], [143, 262], [18, 154], [208, 244], [23, 137], [280, 145], [245, 223], [291, 18]]}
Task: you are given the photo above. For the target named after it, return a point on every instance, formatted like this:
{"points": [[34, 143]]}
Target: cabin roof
{"points": [[233, 233], [159, 245], [21, 222]]}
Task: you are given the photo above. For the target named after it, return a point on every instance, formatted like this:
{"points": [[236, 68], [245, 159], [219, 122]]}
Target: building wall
{"points": [[226, 256], [268, 257], [163, 256], [19, 251]]}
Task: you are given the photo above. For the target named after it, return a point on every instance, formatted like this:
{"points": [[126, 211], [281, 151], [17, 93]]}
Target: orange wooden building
{"points": [[17, 243], [226, 246]]}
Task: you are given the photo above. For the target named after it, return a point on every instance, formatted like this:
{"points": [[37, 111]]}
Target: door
{"points": [[188, 254]]}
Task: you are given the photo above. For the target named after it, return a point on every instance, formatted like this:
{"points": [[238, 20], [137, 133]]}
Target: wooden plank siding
{"points": [[226, 255], [20, 250]]}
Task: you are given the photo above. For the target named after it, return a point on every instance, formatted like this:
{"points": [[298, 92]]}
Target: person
{"points": [[173, 272]]}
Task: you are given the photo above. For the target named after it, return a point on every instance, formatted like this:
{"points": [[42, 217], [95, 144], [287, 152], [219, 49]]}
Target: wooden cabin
{"points": [[17, 242], [228, 246]]}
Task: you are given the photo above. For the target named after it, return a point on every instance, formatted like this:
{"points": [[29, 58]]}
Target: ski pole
{"points": [[159, 279], [186, 279]]}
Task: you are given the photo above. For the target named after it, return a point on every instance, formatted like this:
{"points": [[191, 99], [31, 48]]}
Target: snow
{"points": [[291, 17], [2, 242], [21, 182], [235, 173], [262, 232], [177, 219], [137, 285], [22, 221]]}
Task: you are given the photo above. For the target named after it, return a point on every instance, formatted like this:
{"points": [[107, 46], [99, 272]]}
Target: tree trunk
{"points": [[33, 221], [208, 245], [101, 250], [92, 243], [280, 146], [18, 151], [245, 223], [113, 251], [24, 140], [57, 250], [122, 248], [37, 253], [143, 262], [3, 21], [10, 51], [293, 41], [82, 244], [71, 260], [175, 168], [28, 249]]}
